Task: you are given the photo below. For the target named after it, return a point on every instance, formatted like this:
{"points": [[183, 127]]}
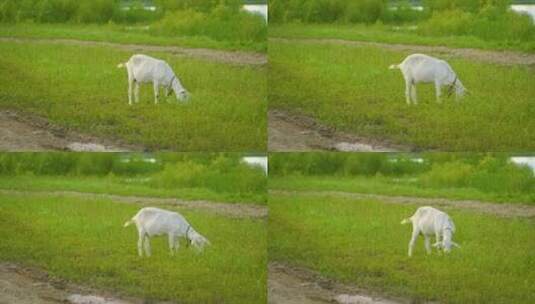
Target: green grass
{"points": [[83, 241], [352, 89], [132, 186], [391, 34], [404, 186], [136, 34], [80, 87], [361, 242]]}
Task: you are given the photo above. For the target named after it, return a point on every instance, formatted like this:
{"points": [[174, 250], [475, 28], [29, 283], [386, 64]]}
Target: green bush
{"points": [[366, 11], [493, 24], [473, 6], [222, 24], [500, 176], [490, 23], [448, 175], [322, 11], [223, 175], [8, 11], [402, 12], [447, 23]]}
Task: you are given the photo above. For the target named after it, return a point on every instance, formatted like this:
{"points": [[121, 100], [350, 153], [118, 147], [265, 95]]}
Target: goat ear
{"points": [[455, 244]]}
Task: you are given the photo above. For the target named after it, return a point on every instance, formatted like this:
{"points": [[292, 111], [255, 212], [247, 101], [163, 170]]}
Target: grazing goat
{"points": [[419, 68], [154, 221], [430, 221], [145, 69]]}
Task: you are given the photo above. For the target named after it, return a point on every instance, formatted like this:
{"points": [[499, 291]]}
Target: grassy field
{"points": [[83, 241], [405, 186], [362, 242], [80, 87], [137, 34], [132, 186], [391, 34], [352, 89]]}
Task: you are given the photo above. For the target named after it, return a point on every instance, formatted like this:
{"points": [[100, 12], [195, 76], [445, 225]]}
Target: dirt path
{"points": [[21, 285], [237, 58], [291, 132], [504, 210], [497, 57], [235, 210], [293, 285], [31, 133]]}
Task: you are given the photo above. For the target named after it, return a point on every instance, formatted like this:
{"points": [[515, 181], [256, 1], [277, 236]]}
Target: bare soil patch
{"points": [[234, 210], [502, 210], [295, 132], [24, 132], [21, 285], [237, 57], [295, 285], [496, 57]]}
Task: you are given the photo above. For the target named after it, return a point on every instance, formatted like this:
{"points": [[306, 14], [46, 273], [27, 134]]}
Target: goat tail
{"points": [[406, 221], [394, 67], [121, 65], [128, 223]]}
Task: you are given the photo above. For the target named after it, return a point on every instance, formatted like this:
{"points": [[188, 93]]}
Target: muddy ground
{"points": [[234, 57], [294, 132], [24, 132], [287, 285], [236, 210], [23, 285], [486, 56], [496, 209], [293, 285]]}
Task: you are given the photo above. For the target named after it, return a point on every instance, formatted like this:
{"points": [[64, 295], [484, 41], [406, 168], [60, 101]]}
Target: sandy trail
{"points": [[31, 133], [23, 285], [236, 58], [292, 132], [487, 56], [293, 285], [235, 210], [502, 210]]}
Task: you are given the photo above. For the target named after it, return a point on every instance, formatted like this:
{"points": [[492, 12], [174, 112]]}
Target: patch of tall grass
{"points": [[490, 24], [329, 11], [223, 23], [490, 175], [222, 175]]}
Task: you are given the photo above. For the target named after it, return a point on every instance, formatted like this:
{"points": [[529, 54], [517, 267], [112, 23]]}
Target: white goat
{"points": [[145, 69], [152, 221], [430, 221], [419, 68]]}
